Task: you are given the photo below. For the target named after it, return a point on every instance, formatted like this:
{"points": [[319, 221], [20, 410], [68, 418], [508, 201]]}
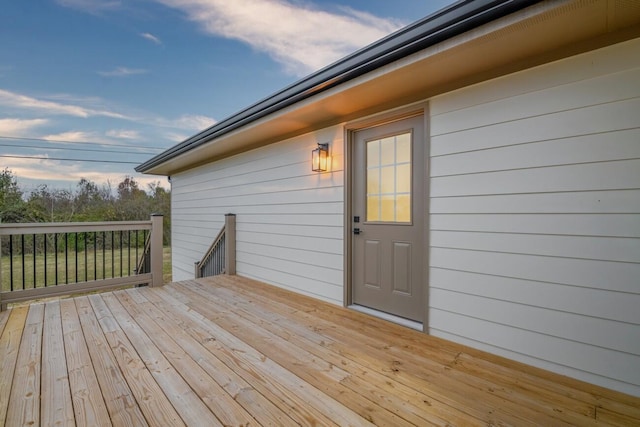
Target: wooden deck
{"points": [[231, 351]]}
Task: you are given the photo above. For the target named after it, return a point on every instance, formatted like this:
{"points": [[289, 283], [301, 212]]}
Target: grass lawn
{"points": [[80, 267]]}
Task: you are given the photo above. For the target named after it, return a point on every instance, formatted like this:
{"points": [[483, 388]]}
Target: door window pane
{"points": [[387, 149], [403, 208], [373, 207], [373, 182], [403, 178], [388, 208], [389, 179], [403, 148]]}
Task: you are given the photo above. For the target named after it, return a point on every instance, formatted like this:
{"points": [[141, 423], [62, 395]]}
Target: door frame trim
{"points": [[350, 129]]}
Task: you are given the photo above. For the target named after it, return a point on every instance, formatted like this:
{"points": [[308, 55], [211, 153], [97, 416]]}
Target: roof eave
{"points": [[447, 23]]}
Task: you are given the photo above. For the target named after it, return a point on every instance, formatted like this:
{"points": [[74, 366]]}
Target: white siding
{"points": [[289, 219], [535, 216]]}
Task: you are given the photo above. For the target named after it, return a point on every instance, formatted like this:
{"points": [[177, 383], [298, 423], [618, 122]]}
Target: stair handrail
{"points": [[226, 240]]}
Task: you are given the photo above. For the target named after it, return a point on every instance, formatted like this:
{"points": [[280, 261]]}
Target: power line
{"points": [[67, 159], [74, 149], [76, 142]]}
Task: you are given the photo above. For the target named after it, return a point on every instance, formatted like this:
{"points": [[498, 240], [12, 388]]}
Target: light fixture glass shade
{"points": [[320, 158]]}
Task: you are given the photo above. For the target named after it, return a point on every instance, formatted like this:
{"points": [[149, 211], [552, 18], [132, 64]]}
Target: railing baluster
{"points": [[11, 261], [55, 244], [35, 246], [66, 258], [137, 244], [86, 249], [76, 237], [120, 253], [104, 261], [44, 245], [112, 257], [95, 254], [128, 252], [22, 257]]}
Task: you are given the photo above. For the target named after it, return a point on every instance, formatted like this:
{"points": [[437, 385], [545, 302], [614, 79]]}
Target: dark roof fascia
{"points": [[451, 21]]}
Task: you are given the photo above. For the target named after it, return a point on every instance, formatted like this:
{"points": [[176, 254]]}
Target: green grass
{"points": [[90, 266]]}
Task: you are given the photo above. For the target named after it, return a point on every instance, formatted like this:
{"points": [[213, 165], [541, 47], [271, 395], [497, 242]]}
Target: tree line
{"points": [[88, 202]]}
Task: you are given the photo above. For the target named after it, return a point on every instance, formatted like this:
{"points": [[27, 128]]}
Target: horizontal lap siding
{"points": [[289, 220], [535, 217]]}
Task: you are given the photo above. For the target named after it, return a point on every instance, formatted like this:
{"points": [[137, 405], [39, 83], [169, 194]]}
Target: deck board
{"points": [[56, 404], [201, 392], [9, 345], [233, 351], [4, 318], [562, 399], [270, 379], [89, 406], [249, 355], [24, 399], [121, 403], [127, 343], [414, 366], [358, 377], [207, 363]]}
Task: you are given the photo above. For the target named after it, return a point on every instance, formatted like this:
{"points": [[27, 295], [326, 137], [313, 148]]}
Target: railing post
{"points": [[196, 270], [230, 244], [156, 249]]}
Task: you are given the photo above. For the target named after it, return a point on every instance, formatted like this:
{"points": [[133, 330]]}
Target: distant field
{"points": [[90, 266]]}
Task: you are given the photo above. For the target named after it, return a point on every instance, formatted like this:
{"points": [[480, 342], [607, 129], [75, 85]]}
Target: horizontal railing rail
{"points": [[71, 227], [53, 259]]}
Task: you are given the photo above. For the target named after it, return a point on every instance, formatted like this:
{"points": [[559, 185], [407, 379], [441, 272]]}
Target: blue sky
{"points": [[105, 81]]}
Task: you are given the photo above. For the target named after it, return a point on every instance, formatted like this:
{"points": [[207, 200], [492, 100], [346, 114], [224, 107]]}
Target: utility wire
{"points": [[76, 142], [67, 160], [75, 149]]}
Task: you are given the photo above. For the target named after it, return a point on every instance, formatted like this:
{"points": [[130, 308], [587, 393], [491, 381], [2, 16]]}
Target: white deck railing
{"points": [[40, 260]]}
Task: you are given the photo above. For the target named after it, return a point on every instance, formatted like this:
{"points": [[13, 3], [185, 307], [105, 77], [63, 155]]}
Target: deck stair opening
{"points": [[144, 261], [220, 257]]}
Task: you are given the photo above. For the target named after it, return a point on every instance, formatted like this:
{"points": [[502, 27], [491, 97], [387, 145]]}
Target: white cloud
{"points": [[302, 39], [194, 122], [73, 136], [16, 100], [19, 127], [151, 37], [123, 72], [123, 134], [94, 137], [191, 123], [55, 172]]}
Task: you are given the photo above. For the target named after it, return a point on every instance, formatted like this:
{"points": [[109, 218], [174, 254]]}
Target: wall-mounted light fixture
{"points": [[320, 158]]}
